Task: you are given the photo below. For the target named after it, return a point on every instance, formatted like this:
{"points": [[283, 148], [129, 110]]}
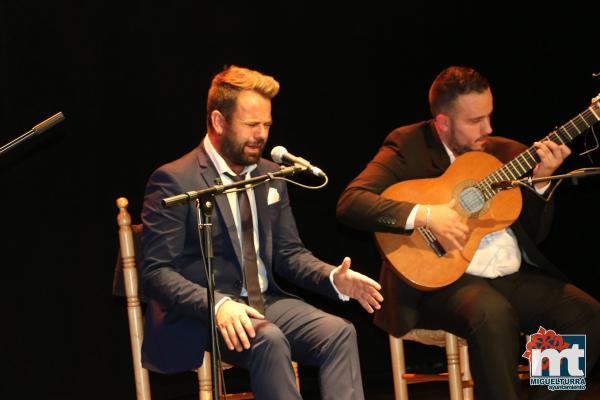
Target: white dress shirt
{"points": [[223, 170], [225, 174]]}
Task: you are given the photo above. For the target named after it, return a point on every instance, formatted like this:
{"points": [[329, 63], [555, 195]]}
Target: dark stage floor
{"points": [[376, 388], [439, 390]]}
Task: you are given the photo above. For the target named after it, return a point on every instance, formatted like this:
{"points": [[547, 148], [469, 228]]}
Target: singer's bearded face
{"points": [[467, 125], [246, 131]]}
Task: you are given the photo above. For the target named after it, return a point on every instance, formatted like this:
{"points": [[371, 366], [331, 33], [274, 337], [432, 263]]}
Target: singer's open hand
{"points": [[357, 286], [551, 156], [233, 320]]}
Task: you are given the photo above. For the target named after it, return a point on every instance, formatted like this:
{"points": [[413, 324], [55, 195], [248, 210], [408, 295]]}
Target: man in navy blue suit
{"points": [[272, 328]]}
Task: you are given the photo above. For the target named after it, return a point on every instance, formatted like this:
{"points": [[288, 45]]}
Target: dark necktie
{"points": [[250, 261]]}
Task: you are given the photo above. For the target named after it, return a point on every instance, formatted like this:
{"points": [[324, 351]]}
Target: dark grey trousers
{"points": [[295, 330]]}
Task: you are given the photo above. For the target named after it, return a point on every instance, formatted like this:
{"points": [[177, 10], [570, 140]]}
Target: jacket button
{"points": [[237, 284]]}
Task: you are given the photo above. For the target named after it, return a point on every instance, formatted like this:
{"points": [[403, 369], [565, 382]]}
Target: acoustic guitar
{"points": [[472, 180]]}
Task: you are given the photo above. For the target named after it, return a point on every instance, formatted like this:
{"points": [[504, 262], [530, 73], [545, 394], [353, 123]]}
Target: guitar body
{"points": [[412, 257]]}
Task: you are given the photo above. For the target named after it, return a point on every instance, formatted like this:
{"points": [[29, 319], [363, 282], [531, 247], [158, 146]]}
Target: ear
{"points": [[218, 122], [442, 123]]}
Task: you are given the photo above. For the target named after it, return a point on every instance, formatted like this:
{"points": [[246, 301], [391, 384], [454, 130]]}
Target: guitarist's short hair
{"points": [[452, 82]]}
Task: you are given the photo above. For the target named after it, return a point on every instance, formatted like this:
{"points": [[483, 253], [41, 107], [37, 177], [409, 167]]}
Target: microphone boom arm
{"points": [[217, 189]]}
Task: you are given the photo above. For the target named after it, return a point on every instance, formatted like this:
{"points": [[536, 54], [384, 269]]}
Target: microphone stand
{"points": [[529, 181], [204, 200], [39, 128]]}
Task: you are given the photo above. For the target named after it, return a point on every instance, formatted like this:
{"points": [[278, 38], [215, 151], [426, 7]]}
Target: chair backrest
{"points": [[118, 288], [128, 270]]}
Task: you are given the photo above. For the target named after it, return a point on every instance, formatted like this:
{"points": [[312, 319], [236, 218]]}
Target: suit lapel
{"points": [[209, 174], [439, 157], [264, 219]]}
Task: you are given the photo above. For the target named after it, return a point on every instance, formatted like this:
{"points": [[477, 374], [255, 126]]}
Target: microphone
{"points": [[280, 155]]}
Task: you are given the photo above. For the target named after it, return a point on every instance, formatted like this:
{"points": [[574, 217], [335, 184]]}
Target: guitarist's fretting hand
{"points": [[552, 156], [446, 224]]}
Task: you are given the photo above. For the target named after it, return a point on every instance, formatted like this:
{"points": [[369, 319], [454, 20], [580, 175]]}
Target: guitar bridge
{"points": [[432, 241]]}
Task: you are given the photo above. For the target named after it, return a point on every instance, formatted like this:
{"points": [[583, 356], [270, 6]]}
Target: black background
{"points": [[131, 78]]}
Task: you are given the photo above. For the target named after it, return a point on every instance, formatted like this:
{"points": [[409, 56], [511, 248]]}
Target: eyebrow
{"points": [[480, 117], [255, 121]]}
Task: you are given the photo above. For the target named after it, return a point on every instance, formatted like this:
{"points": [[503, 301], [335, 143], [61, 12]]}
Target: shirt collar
{"points": [[450, 153], [220, 163]]}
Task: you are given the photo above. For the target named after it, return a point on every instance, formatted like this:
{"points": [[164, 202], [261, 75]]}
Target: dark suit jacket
{"points": [[172, 272], [416, 152]]}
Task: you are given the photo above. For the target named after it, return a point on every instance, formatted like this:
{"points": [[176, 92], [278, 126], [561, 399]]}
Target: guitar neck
{"points": [[527, 160]]}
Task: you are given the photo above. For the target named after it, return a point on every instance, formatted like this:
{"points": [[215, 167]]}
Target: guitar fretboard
{"points": [[528, 159]]}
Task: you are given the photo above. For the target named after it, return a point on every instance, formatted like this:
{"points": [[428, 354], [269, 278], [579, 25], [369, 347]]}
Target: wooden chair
{"points": [[458, 376], [129, 240]]}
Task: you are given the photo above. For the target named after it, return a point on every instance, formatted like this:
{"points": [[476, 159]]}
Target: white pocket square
{"points": [[272, 196]]}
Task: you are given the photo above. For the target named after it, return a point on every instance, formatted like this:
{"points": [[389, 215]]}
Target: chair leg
{"points": [[465, 369], [295, 368], [205, 379], [454, 377], [142, 378], [398, 368]]}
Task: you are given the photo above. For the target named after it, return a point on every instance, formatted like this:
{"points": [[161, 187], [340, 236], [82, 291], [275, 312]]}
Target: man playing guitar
{"points": [[458, 255]]}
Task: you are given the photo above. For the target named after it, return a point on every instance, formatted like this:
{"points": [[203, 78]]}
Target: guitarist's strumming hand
{"points": [[551, 156], [446, 224]]}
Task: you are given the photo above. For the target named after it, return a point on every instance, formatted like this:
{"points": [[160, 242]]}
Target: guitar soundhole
{"points": [[471, 200]]}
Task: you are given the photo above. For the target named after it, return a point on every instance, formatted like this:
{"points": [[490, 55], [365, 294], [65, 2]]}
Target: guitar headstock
{"points": [[596, 101]]}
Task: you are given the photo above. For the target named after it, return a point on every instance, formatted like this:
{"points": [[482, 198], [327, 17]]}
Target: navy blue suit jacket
{"points": [[172, 271]]}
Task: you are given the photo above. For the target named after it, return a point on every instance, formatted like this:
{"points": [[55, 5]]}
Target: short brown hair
{"points": [[227, 85], [452, 82]]}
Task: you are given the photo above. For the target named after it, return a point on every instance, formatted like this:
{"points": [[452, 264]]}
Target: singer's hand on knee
{"points": [[233, 320], [357, 286]]}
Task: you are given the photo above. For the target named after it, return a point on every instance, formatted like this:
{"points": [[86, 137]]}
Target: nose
{"points": [[486, 126], [262, 132]]}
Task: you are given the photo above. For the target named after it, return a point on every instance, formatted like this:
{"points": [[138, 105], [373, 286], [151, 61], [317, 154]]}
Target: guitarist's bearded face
{"points": [[467, 125]]}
